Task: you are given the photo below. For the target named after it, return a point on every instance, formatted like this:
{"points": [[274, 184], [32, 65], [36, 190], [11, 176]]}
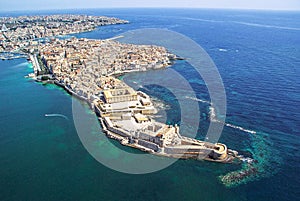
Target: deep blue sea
{"points": [[257, 54]]}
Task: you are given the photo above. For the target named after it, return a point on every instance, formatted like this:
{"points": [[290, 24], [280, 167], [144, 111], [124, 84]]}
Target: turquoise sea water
{"points": [[257, 55]]}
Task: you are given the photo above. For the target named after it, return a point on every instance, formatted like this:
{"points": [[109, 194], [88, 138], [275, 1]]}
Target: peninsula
{"points": [[86, 69]]}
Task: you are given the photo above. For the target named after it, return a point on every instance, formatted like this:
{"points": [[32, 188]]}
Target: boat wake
{"points": [[267, 26], [264, 162], [244, 23], [240, 128], [201, 19], [197, 99], [57, 115], [222, 50], [213, 117]]}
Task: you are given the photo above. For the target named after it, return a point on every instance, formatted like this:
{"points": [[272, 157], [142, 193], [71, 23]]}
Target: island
{"points": [[88, 69]]}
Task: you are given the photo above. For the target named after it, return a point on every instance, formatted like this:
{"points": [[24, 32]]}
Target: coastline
{"points": [[43, 155], [208, 152], [124, 140], [164, 140], [158, 142]]}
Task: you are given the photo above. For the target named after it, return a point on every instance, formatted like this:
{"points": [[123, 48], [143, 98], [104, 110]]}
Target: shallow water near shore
{"points": [[42, 158]]}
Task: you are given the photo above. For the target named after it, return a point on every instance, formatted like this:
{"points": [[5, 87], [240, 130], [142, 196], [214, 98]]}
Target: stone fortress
{"points": [[124, 114]]}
